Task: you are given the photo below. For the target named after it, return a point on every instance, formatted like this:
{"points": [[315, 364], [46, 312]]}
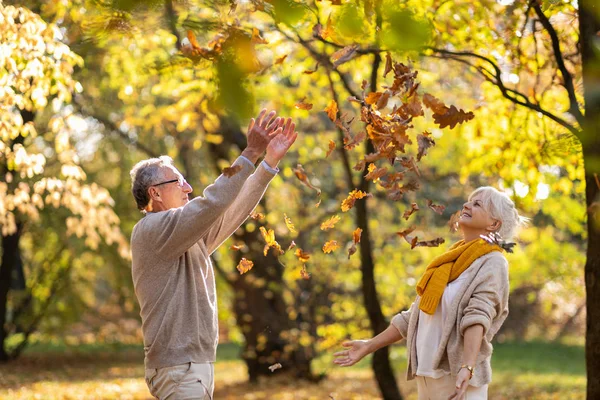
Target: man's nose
{"points": [[187, 188]]}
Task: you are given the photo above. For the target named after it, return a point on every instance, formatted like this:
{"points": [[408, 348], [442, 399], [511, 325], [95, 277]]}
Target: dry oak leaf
{"points": [[413, 207], [256, 38], [352, 142], [303, 273], [435, 105], [437, 208], [302, 105], [430, 243], [257, 216], [301, 175], [425, 142], [302, 255], [244, 266], [452, 117], [330, 223], [280, 60], [332, 110], [331, 148], [388, 64], [231, 171], [349, 201], [374, 172], [355, 240], [269, 237], [343, 55], [311, 71], [274, 367], [330, 246], [289, 224]]}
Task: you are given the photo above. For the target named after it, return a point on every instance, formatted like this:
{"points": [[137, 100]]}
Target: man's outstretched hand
{"points": [[281, 143], [260, 133]]}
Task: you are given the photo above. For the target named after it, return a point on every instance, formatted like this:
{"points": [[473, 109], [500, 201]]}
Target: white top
{"points": [[429, 332]]}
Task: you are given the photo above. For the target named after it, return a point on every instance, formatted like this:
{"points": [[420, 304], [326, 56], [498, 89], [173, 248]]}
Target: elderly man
{"points": [[171, 246]]}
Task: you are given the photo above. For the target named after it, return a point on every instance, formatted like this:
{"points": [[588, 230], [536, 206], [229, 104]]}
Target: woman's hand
{"points": [[284, 138], [357, 350], [462, 383]]}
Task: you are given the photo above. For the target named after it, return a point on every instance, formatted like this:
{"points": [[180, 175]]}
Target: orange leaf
{"points": [[311, 71], [269, 237], [413, 207], [388, 64], [302, 105], [303, 273], [280, 60], [302, 255], [330, 246], [193, 41], [301, 175], [332, 110], [354, 195], [257, 216], [331, 148], [236, 247], [231, 171], [330, 223], [288, 223], [343, 55], [244, 266], [356, 235], [437, 208], [374, 172], [424, 142], [373, 97], [256, 38]]}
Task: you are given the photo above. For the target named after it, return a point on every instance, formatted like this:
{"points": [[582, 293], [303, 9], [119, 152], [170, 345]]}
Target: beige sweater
{"points": [[172, 273], [482, 300]]}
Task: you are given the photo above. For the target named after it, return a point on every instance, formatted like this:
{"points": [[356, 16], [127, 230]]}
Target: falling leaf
{"points": [[303, 273], [413, 207], [302, 105], [332, 110], [350, 143], [311, 71], [425, 142], [354, 195], [274, 367], [236, 247], [291, 246], [193, 41], [406, 232], [302, 255], [388, 64], [355, 240], [244, 266], [330, 223], [269, 237], [326, 32], [280, 60], [256, 38], [373, 97], [375, 173], [231, 171], [331, 148], [343, 55], [452, 117], [330, 246], [434, 104], [453, 222], [288, 223], [437, 208], [257, 216], [301, 175], [430, 243]]}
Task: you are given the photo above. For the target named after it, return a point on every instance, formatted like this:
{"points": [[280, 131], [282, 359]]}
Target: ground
{"points": [[534, 370]]}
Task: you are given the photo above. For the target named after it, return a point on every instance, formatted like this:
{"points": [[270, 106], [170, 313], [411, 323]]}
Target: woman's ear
{"points": [[496, 225]]}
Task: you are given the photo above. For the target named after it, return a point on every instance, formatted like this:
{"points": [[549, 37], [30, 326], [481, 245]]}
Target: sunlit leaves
{"points": [[330, 246], [350, 21], [289, 224], [244, 266], [330, 223], [288, 12], [349, 201], [269, 238], [403, 31]]}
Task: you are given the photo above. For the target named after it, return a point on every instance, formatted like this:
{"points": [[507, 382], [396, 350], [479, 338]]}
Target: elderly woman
{"points": [[462, 301]]}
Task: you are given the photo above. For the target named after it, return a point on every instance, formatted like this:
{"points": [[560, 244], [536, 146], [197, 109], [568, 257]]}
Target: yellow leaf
{"points": [[302, 255], [354, 195], [330, 223], [330, 246], [244, 266], [288, 223], [332, 110]]}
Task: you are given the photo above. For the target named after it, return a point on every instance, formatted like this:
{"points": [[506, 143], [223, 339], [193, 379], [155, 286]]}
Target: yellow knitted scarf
{"points": [[446, 268]]}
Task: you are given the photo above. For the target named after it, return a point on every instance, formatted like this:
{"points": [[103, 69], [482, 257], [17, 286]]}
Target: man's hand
{"points": [[462, 383], [260, 133], [357, 350], [281, 143]]}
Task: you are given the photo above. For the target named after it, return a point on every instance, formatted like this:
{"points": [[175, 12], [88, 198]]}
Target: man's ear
{"points": [[154, 194]]}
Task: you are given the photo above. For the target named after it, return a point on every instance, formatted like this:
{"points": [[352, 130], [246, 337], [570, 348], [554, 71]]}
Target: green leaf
{"points": [[403, 31]]}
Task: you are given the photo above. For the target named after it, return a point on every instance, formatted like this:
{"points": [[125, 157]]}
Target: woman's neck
{"points": [[472, 235]]}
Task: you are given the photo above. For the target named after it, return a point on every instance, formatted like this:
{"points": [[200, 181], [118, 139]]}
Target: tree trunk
{"points": [[589, 25], [10, 253]]}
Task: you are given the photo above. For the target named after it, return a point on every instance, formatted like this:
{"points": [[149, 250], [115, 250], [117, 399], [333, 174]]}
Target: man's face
{"points": [[171, 192]]}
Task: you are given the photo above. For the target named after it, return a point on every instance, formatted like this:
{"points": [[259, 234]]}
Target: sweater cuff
{"points": [[247, 161], [266, 166], [400, 324], [470, 320]]}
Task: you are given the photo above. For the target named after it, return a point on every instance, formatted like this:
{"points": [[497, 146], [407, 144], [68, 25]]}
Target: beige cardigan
{"points": [[483, 300]]}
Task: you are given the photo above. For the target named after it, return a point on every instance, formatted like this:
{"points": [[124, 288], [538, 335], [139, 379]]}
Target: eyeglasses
{"points": [[180, 182]]}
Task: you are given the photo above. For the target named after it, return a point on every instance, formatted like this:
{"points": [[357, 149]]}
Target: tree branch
{"points": [[567, 78]]}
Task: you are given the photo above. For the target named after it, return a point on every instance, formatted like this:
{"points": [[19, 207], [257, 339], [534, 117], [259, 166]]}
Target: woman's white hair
{"points": [[502, 208]]}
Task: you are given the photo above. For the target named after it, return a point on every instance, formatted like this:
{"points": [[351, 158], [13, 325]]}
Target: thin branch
{"points": [[172, 20], [567, 78]]}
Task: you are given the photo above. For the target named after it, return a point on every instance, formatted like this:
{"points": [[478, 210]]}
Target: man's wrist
{"points": [[251, 154]]}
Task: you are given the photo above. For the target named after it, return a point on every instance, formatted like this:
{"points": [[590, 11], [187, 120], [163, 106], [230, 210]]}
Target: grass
{"points": [[531, 370]]}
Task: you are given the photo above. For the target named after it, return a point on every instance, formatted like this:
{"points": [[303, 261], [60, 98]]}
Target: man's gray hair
{"points": [[145, 174], [502, 208]]}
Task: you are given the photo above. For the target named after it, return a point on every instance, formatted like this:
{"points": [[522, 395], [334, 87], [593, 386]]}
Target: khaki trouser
{"points": [[444, 387], [189, 381]]}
